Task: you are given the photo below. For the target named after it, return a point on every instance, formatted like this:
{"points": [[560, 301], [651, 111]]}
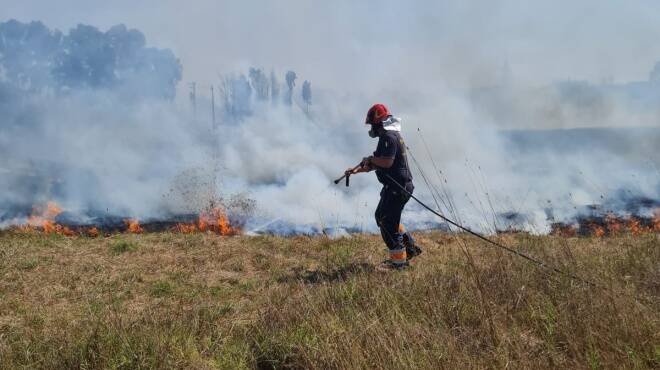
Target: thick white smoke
{"points": [[94, 152], [457, 73]]}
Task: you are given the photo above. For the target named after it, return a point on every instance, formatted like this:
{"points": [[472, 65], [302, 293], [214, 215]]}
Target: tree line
{"points": [[34, 58], [240, 91]]}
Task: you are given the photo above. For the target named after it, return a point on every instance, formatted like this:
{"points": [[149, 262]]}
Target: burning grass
{"points": [[174, 300], [609, 225], [215, 221], [44, 220]]}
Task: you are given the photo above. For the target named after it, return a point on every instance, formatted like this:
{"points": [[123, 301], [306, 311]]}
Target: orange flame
{"points": [[634, 226], [133, 226], [610, 225], [44, 219], [93, 232], [204, 222], [614, 225], [186, 228], [215, 221], [597, 231], [563, 230], [224, 226]]}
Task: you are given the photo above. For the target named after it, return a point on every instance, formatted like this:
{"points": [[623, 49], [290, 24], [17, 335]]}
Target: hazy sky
{"points": [[356, 44]]}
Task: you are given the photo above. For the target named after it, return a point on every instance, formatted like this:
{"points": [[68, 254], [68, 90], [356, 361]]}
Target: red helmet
{"points": [[376, 114]]}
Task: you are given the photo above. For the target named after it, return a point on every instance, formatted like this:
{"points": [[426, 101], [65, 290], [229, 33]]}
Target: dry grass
{"points": [[203, 301]]}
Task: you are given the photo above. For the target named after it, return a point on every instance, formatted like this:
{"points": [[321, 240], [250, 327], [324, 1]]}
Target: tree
{"points": [[34, 58], [290, 82], [259, 83], [307, 93], [87, 60], [241, 95], [274, 88], [236, 95], [26, 54]]}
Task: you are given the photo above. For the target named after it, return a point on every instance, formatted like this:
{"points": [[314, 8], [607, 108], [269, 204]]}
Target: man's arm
{"points": [[371, 163], [383, 156]]}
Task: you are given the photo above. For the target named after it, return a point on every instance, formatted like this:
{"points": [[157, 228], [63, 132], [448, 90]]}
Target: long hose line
{"points": [[490, 241]]}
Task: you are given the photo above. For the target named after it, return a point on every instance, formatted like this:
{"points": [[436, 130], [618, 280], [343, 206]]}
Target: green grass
{"points": [[28, 264], [122, 246], [162, 289], [204, 302]]}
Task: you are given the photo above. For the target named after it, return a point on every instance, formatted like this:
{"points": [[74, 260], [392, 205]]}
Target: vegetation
{"points": [[123, 246], [203, 301]]}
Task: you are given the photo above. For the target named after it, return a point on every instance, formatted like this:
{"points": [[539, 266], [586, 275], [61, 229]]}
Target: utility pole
{"points": [[193, 99], [213, 108], [215, 152]]}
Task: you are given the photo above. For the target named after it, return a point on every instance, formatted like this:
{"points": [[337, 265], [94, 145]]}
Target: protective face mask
{"points": [[373, 132]]}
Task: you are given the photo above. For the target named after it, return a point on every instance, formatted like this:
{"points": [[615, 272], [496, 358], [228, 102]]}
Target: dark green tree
{"points": [[259, 83], [290, 82], [274, 88], [34, 58], [307, 94]]}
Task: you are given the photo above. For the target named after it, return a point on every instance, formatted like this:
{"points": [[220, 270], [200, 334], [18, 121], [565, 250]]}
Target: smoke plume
{"points": [[512, 124]]}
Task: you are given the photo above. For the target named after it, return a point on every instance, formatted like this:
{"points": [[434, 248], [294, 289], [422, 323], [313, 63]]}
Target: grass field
{"points": [[202, 301]]}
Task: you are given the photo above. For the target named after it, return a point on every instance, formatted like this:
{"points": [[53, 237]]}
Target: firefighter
{"points": [[391, 166]]}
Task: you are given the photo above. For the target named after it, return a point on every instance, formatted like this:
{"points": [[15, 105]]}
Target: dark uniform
{"points": [[392, 198]]}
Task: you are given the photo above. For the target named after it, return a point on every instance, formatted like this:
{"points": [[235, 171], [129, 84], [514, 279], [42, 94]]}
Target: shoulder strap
{"points": [[404, 150]]}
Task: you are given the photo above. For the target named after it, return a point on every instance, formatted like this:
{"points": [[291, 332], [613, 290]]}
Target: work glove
{"points": [[366, 162]]}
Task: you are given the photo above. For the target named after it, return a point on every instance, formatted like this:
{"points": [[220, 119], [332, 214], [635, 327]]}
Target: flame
{"points": [[563, 230], [43, 219], [610, 225], [224, 226], [93, 232], [133, 226], [633, 226], [614, 225], [204, 222], [52, 210], [215, 221], [50, 227], [597, 231], [186, 228]]}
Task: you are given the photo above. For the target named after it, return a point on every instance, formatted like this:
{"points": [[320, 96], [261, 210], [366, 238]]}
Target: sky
{"points": [[382, 44]]}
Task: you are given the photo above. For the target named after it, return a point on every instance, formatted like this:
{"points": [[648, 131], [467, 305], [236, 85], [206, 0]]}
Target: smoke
{"points": [[473, 83], [87, 121], [92, 152]]}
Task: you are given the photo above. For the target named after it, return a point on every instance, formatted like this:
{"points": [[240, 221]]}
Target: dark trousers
{"points": [[388, 215]]}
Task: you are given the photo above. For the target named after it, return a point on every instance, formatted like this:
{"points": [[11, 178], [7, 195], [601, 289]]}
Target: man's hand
{"points": [[366, 162], [366, 168], [362, 168], [354, 170]]}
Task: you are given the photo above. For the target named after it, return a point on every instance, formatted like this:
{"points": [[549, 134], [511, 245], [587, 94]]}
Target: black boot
{"points": [[387, 265], [412, 249]]}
